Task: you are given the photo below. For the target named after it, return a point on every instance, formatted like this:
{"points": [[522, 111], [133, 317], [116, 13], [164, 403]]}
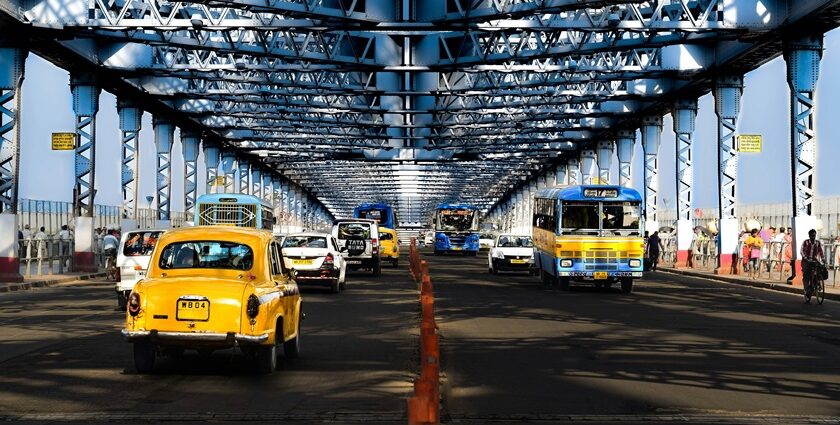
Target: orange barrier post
{"points": [[424, 406]]}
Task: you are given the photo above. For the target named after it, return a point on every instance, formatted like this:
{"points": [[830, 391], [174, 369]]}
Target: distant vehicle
{"points": [[215, 288], [233, 209], [511, 252], [486, 241], [390, 246], [133, 258], [316, 258], [429, 238], [360, 237], [589, 234], [383, 214], [456, 229]]}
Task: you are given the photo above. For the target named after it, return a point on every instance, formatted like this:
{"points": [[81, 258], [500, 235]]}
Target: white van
{"points": [[133, 260]]}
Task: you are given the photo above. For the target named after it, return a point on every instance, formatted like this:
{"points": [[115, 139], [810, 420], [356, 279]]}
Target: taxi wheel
{"points": [[335, 287], [626, 285], [267, 358], [144, 357], [291, 348]]}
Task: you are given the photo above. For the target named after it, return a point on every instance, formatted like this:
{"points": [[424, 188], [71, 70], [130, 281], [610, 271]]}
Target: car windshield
{"points": [[510, 241], [486, 236], [354, 231], [139, 244], [305, 242], [457, 220], [206, 255]]}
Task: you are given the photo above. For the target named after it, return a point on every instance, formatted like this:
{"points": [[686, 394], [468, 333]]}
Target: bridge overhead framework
{"points": [[317, 106]]}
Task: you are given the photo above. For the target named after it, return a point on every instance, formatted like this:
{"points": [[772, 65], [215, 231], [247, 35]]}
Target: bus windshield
{"points": [[580, 217], [373, 214], [593, 218], [459, 220], [620, 216]]}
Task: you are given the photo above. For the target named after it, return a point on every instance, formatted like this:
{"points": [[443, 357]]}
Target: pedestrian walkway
{"points": [[50, 280], [831, 291]]}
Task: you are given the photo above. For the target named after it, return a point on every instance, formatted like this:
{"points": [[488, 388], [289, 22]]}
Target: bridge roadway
{"points": [[512, 351]]}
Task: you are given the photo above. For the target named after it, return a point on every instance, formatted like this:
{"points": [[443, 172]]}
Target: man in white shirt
{"points": [[64, 243]]}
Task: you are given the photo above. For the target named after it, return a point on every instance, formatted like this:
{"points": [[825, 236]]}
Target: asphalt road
{"points": [[62, 358], [677, 349], [515, 350]]}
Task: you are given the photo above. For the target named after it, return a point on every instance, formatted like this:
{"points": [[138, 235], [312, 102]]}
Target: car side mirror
{"points": [[342, 249]]}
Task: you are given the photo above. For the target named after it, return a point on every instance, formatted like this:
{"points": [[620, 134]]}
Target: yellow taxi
{"points": [[390, 246], [212, 288]]}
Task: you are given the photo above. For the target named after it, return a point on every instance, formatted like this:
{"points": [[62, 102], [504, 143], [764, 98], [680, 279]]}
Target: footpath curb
{"points": [[773, 286], [22, 286]]}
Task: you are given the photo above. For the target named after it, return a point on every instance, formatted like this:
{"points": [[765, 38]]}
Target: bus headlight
{"points": [[565, 263], [635, 263]]}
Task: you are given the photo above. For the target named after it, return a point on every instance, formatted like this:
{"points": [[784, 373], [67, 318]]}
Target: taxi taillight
{"points": [[253, 307], [134, 304]]}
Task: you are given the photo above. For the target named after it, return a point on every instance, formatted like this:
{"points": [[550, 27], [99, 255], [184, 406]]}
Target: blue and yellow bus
{"points": [[588, 234], [233, 209], [382, 213], [456, 229]]}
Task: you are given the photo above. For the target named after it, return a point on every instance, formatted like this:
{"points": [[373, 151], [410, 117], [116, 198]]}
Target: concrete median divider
{"points": [[424, 406]]}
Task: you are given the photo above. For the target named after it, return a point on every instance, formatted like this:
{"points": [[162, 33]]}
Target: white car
{"points": [[511, 252], [358, 239], [133, 259], [315, 258], [429, 238], [486, 241]]}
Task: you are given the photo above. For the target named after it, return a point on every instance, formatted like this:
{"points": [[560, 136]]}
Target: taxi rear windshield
{"points": [[206, 255], [139, 244]]}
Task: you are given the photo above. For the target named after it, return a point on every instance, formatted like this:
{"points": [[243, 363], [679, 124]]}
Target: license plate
{"points": [[518, 261], [194, 310], [354, 262], [601, 275], [457, 248], [302, 262], [140, 274]]}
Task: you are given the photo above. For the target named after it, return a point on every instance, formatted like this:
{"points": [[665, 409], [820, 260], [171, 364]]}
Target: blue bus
{"points": [[233, 209], [382, 213], [456, 229], [588, 234]]}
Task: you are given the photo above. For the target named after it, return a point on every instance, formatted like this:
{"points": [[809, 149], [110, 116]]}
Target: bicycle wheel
{"points": [[806, 288], [819, 289]]}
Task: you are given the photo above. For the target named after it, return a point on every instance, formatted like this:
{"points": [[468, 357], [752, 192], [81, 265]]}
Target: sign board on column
{"points": [[220, 180], [749, 143], [63, 141]]}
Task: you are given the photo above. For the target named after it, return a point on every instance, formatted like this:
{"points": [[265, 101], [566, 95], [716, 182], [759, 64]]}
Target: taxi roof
{"points": [[210, 232]]}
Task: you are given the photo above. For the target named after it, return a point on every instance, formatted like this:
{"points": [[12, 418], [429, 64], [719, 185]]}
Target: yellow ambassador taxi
{"points": [[211, 288], [389, 246]]}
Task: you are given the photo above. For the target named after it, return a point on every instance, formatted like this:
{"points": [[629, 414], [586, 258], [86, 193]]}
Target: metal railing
{"points": [[53, 214], [773, 264], [52, 255]]}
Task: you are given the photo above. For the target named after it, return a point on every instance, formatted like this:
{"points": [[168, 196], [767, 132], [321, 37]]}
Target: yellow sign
{"points": [[63, 141], [220, 180], [749, 143]]}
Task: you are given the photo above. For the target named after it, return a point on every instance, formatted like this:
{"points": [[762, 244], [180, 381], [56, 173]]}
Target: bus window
{"points": [[621, 216], [580, 216], [455, 220]]}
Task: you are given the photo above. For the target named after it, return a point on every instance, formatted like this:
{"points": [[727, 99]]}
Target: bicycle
{"points": [[111, 264], [816, 284]]}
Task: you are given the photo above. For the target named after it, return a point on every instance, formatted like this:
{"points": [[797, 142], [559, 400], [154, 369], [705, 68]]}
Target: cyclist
{"points": [[812, 252], [109, 246]]}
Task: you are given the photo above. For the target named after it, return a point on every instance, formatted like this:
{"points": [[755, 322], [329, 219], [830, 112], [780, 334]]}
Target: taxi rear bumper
{"points": [[230, 338]]}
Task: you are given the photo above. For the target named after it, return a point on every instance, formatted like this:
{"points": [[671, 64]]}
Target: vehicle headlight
{"points": [[499, 254], [635, 263], [566, 263], [253, 306]]}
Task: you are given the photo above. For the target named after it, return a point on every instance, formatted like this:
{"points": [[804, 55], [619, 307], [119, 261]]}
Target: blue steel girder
{"points": [[684, 115], [190, 142], [12, 64], [164, 131], [130, 123], [85, 106]]}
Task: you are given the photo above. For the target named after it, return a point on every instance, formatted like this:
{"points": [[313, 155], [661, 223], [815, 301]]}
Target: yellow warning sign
{"points": [[220, 180], [63, 141], [749, 143]]}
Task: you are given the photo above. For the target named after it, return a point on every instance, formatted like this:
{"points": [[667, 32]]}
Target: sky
{"points": [[762, 178]]}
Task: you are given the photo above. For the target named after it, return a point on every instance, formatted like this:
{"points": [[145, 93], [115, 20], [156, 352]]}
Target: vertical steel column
{"points": [[605, 155], [587, 161], [130, 123], [728, 89], [684, 113], [573, 170], [211, 162], [189, 145], [267, 188], [85, 106], [12, 63], [256, 181], [277, 201], [229, 170], [561, 174], [803, 56], [651, 137], [164, 138], [244, 174], [285, 204], [625, 142]]}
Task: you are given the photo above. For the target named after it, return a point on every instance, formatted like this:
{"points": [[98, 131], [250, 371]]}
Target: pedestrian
{"points": [[745, 252], [64, 238], [788, 253], [754, 244], [41, 242], [767, 237], [654, 248], [778, 247]]}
